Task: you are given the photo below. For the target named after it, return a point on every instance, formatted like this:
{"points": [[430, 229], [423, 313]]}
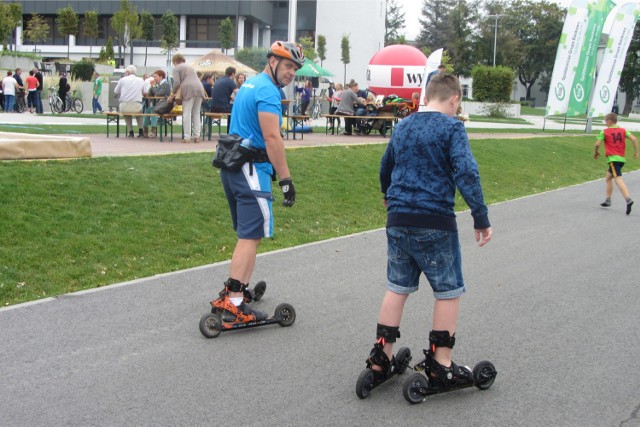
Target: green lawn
{"points": [[78, 224]]}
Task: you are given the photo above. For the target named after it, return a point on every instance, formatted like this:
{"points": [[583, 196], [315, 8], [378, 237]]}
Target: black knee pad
{"points": [[234, 285], [441, 339], [389, 333]]}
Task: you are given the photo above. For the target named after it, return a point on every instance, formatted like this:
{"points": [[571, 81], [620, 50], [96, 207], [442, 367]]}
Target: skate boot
{"points": [[249, 294], [442, 377], [379, 368], [230, 313]]}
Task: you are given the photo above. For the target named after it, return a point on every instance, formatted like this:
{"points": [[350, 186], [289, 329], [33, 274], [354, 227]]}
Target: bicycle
{"points": [[313, 109], [21, 104], [72, 101]]}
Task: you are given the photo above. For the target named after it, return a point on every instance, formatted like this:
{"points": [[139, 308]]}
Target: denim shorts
{"points": [[415, 250]]}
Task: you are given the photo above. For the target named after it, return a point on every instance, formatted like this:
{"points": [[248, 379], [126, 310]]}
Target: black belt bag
{"points": [[231, 155]]}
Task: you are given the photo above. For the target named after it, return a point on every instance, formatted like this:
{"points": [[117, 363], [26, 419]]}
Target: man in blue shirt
{"points": [[257, 116], [222, 91]]}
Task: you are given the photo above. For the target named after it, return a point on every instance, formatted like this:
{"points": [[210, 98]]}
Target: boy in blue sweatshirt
{"points": [[427, 158]]}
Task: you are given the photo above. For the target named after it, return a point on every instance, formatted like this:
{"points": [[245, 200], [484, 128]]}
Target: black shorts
{"points": [[615, 168]]}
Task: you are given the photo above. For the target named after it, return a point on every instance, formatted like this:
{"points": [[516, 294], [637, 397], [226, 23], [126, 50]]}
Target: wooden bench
{"points": [[295, 121], [164, 121], [214, 118], [389, 121]]}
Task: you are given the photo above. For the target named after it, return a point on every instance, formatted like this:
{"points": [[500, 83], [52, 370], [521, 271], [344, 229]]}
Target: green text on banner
{"points": [[581, 88]]}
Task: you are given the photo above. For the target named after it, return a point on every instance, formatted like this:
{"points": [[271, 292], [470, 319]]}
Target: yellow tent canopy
{"points": [[216, 62]]}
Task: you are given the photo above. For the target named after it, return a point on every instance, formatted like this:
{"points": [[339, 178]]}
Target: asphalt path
{"points": [[552, 302]]}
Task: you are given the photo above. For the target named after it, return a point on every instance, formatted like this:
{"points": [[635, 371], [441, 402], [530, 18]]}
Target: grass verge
{"points": [[78, 224]]}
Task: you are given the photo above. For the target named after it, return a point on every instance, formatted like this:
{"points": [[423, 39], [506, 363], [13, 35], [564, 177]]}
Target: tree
{"points": [[15, 10], [91, 26], [5, 24], [345, 56], [459, 46], [436, 31], [67, 24], [125, 23], [505, 41], [226, 34], [308, 48], [147, 30], [254, 57], [537, 25], [169, 39], [322, 48], [630, 77], [37, 30], [393, 23], [9, 21]]}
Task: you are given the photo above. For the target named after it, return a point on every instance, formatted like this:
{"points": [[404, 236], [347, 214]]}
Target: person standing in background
{"points": [[38, 95], [97, 90], [32, 86], [192, 93]]}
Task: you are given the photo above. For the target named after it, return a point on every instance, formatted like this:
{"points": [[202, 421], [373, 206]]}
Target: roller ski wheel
{"points": [[414, 390], [484, 374], [286, 313], [211, 325], [370, 379]]}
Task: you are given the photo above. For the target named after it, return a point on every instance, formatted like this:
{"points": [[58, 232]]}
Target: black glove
{"points": [[289, 192]]}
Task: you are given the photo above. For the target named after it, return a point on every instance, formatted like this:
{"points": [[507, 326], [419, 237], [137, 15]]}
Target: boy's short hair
{"points": [[442, 87], [611, 117]]}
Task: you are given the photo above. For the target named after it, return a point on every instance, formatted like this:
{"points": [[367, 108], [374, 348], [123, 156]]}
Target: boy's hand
{"points": [[486, 234], [596, 155]]}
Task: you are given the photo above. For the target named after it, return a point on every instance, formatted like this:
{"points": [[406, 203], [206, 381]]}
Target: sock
{"points": [[237, 301], [607, 202]]}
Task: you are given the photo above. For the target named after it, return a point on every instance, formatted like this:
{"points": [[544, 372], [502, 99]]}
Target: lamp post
{"points": [[495, 36]]}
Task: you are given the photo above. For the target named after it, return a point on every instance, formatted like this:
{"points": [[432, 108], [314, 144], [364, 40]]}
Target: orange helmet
{"points": [[287, 50]]}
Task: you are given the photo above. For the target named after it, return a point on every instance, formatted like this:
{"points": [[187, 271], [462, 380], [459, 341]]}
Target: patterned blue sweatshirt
{"points": [[427, 158]]}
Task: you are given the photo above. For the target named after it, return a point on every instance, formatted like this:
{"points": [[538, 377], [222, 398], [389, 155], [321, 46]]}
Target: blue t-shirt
{"points": [[221, 93], [257, 95]]}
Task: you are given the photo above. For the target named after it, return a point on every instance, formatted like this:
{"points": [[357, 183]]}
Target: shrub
{"points": [[82, 70], [253, 57], [498, 110], [492, 84]]}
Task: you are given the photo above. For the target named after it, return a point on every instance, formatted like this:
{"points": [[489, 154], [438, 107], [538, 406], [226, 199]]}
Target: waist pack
{"points": [[231, 155]]}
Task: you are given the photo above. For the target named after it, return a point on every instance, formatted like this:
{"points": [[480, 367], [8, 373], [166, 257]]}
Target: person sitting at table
{"points": [[129, 92], [336, 97], [222, 91], [240, 79], [160, 88], [207, 84], [347, 107]]}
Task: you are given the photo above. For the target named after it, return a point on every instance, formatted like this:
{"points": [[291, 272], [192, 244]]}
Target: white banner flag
{"points": [[433, 61], [620, 34], [567, 56]]}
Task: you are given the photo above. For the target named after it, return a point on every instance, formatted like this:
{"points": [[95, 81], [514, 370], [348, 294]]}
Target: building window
{"points": [[203, 32]]}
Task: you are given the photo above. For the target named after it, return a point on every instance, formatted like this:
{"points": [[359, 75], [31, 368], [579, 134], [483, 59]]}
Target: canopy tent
{"points": [[311, 69], [216, 62]]}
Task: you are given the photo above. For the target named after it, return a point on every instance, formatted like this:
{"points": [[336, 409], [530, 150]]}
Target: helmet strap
{"points": [[274, 74]]}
